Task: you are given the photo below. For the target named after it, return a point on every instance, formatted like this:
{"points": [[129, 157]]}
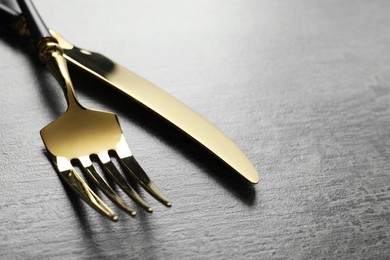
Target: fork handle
{"points": [[35, 23]]}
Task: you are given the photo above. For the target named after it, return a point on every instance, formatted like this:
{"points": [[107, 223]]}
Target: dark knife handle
{"points": [[35, 23], [14, 22], [7, 16]]}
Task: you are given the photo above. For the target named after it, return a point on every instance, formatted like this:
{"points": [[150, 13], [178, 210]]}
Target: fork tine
{"points": [[127, 160], [73, 179], [110, 169], [99, 181], [136, 172]]}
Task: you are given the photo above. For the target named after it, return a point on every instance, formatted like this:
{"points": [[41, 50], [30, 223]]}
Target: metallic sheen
{"points": [[80, 133], [162, 103]]}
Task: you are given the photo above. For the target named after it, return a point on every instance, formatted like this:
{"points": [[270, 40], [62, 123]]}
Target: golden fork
{"points": [[81, 132]]}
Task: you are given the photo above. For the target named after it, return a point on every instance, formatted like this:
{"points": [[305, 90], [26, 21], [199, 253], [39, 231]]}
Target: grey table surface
{"points": [[302, 86]]}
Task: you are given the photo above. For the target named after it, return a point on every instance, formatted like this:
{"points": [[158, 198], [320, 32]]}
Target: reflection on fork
{"points": [[80, 133]]}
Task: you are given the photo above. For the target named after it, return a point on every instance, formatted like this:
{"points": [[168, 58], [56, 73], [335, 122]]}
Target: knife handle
{"points": [[13, 21], [35, 23], [7, 16]]}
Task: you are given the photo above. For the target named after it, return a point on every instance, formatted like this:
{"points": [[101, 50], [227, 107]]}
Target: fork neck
{"points": [[51, 54]]}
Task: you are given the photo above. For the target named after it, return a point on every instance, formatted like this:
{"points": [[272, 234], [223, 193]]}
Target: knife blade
{"points": [[146, 93], [162, 103]]}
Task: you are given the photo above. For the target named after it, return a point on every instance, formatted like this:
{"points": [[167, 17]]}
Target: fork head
{"points": [[80, 133]]}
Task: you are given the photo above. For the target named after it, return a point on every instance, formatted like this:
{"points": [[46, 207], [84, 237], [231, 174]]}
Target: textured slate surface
{"points": [[303, 87]]}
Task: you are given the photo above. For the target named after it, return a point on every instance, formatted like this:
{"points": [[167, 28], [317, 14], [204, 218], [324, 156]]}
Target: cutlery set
{"points": [[81, 134]]}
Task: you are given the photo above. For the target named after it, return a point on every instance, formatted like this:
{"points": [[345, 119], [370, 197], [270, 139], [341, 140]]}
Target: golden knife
{"points": [[157, 100]]}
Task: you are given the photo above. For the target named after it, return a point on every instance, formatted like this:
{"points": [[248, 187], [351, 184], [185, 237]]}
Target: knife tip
{"points": [[254, 179], [249, 172]]}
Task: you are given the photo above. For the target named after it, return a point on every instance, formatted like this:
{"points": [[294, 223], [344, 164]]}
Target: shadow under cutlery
{"points": [[166, 132], [143, 117]]}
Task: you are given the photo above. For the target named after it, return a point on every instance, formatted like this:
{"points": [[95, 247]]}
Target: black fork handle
{"points": [[34, 21]]}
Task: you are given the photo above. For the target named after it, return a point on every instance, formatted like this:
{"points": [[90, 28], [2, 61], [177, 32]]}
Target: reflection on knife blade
{"points": [[162, 103]]}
